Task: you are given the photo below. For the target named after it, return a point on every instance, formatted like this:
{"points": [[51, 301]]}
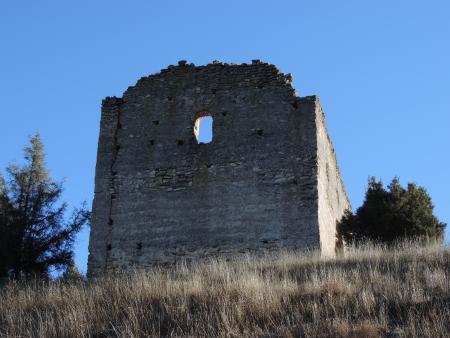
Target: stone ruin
{"points": [[269, 179]]}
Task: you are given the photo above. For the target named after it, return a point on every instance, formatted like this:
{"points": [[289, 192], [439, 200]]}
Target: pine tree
{"points": [[35, 236], [392, 214], [72, 274]]}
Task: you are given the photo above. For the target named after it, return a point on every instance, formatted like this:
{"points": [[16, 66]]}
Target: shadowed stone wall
{"points": [[268, 180]]}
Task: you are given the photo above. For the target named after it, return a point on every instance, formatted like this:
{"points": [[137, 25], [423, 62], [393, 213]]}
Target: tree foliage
{"points": [[392, 214], [71, 275], [34, 233]]}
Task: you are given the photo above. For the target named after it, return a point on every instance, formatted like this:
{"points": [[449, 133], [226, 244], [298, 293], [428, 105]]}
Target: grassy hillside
{"points": [[371, 292]]}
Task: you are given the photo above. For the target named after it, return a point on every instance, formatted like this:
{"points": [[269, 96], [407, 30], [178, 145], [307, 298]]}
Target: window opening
{"points": [[203, 127]]}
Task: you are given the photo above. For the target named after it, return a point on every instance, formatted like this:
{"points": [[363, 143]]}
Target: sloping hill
{"points": [[371, 292]]}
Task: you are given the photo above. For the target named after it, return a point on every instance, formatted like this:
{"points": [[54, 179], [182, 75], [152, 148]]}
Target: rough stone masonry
{"points": [[268, 180]]}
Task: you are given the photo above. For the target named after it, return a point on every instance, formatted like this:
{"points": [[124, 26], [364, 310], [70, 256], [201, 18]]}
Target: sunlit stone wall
{"points": [[268, 180]]}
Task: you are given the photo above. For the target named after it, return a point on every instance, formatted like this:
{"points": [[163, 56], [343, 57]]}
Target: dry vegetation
{"points": [[371, 292]]}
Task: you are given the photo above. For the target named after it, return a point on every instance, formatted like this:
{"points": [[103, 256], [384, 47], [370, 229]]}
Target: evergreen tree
{"points": [[72, 274], [392, 214], [34, 235]]}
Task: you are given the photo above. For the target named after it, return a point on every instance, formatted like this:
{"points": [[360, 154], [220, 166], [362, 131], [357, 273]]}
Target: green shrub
{"points": [[392, 214]]}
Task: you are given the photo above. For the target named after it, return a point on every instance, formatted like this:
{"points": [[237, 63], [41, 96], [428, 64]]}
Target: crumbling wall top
{"points": [[257, 73]]}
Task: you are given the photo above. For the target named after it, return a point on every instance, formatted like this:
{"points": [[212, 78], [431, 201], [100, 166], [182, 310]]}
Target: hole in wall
{"points": [[152, 142], [139, 246], [111, 221], [180, 142], [155, 122], [109, 247], [259, 132], [203, 127]]}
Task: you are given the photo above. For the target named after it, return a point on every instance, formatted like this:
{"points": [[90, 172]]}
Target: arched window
{"points": [[203, 127]]}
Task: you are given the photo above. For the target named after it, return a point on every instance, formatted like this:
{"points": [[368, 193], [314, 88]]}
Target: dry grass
{"points": [[372, 292]]}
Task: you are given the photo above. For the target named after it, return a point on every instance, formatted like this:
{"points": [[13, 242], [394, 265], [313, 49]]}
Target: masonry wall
{"points": [[160, 196], [333, 199]]}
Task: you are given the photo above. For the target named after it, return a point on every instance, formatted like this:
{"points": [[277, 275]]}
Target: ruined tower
{"points": [[268, 180]]}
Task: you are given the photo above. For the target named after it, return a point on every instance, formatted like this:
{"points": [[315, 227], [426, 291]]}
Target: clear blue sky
{"points": [[381, 69]]}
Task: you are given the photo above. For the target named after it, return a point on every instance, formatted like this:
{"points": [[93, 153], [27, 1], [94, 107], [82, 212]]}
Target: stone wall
{"points": [[333, 199], [260, 185]]}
